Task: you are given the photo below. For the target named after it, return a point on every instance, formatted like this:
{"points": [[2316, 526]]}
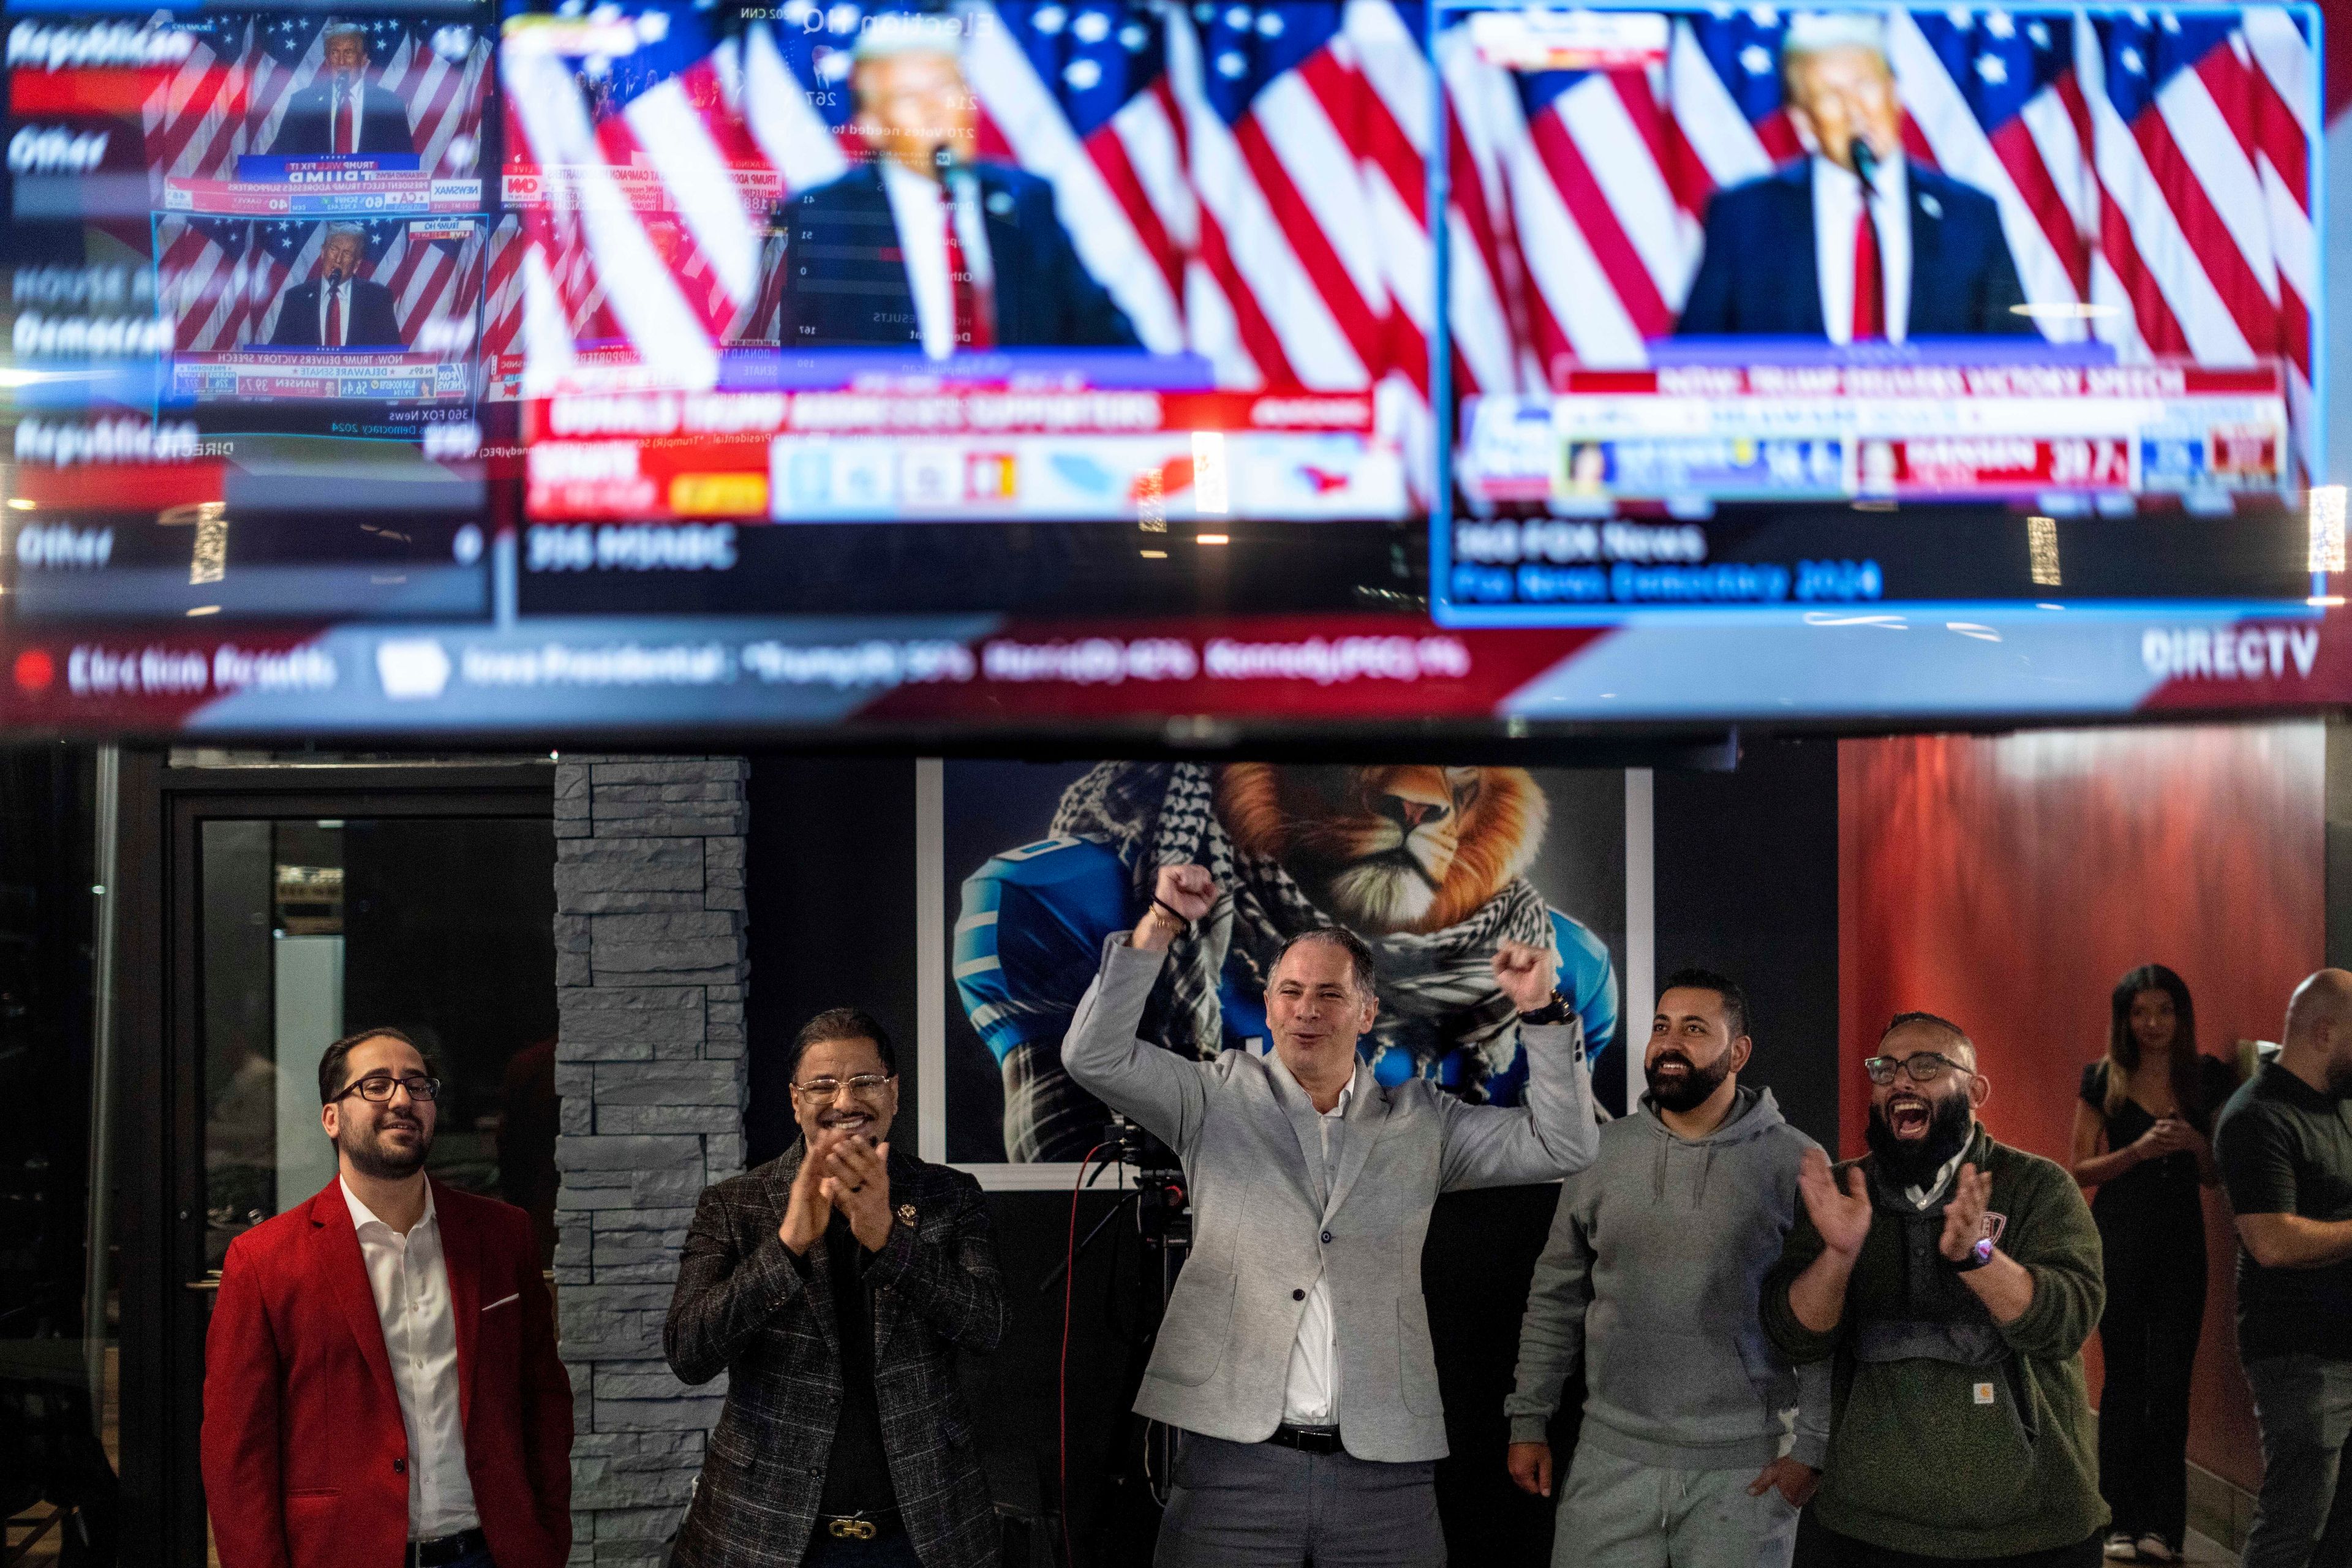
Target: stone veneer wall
{"points": [[650, 971]]}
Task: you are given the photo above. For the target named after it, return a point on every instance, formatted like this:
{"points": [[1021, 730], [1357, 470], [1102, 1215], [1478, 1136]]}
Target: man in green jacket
{"points": [[1954, 1281]]}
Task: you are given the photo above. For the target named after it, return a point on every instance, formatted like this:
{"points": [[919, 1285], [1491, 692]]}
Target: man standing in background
{"points": [[1658, 1256], [2285, 1142]]}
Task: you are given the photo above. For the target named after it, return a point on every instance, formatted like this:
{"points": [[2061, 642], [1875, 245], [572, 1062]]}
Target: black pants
{"points": [[2155, 1309], [1822, 1548]]}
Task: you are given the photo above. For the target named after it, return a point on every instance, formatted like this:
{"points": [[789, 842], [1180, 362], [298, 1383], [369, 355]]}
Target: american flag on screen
{"points": [[433, 267], [1248, 180], [2152, 172], [195, 124], [207, 292], [229, 96], [502, 291], [230, 294], [227, 100]]}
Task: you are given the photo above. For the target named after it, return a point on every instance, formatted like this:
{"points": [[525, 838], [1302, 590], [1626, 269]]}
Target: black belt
{"points": [[444, 1549], [866, 1524], [1307, 1439]]}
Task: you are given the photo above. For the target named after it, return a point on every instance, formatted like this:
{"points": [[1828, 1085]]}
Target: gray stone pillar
{"points": [[650, 971]]}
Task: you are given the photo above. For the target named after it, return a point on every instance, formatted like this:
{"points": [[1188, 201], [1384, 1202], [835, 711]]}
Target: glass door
{"points": [[312, 927]]}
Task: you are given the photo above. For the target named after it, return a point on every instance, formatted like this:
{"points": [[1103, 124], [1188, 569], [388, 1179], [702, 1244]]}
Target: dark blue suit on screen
{"points": [[308, 129], [1758, 276], [845, 281], [370, 321]]}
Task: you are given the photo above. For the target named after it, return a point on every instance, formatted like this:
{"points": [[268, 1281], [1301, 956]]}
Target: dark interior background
{"points": [[1746, 877]]}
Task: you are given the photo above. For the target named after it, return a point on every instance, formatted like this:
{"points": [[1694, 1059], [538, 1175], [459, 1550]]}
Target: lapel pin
{"points": [[907, 1215], [999, 202], [1930, 206]]}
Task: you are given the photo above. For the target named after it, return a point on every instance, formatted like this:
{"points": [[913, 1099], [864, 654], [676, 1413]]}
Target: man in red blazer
{"points": [[381, 1382]]}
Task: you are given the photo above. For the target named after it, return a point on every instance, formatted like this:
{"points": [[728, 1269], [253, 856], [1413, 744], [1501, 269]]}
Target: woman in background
{"points": [[2142, 1137]]}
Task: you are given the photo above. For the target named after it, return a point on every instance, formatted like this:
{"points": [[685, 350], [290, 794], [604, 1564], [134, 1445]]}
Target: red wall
{"points": [[2007, 882]]}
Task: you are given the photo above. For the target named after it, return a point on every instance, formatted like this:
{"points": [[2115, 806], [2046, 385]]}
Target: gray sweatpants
{"points": [[1260, 1505], [2304, 1404], [1619, 1513]]}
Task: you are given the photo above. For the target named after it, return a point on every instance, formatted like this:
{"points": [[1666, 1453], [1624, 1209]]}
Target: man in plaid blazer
{"points": [[833, 1285]]}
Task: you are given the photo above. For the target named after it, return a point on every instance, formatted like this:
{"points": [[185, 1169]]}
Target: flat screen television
{"points": [[947, 369]]}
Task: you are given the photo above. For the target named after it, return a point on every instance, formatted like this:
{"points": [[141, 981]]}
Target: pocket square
{"points": [[502, 1301]]}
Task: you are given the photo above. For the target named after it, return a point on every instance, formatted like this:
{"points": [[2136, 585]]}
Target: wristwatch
{"points": [[1979, 1253], [1558, 1010]]}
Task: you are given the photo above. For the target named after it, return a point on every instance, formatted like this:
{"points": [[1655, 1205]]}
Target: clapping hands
{"points": [[841, 1171]]}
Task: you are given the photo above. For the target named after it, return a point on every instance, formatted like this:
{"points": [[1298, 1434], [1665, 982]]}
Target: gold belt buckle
{"points": [[851, 1529]]}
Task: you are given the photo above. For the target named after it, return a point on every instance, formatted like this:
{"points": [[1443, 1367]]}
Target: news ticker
{"points": [[251, 375], [1920, 433], [1181, 679], [927, 450]]}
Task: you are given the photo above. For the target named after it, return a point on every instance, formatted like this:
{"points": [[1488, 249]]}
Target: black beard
{"points": [[1915, 1164], [370, 1157], [1697, 1082]]}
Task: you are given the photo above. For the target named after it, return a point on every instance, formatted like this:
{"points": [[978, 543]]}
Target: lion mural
{"points": [[1426, 864]]}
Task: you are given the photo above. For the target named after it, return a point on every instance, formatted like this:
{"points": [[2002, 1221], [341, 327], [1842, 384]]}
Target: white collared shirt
{"points": [[1310, 1387], [1837, 208], [409, 1278], [335, 298], [916, 209]]}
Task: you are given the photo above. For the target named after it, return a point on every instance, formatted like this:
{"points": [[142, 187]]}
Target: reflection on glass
{"points": [[437, 927]]}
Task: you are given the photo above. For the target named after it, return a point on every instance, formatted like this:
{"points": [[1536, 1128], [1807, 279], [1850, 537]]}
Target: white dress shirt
{"points": [[923, 241], [1837, 208], [410, 1279], [1310, 1386], [335, 300]]}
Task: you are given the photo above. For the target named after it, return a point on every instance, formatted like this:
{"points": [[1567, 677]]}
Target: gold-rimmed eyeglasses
{"points": [[864, 1086]]}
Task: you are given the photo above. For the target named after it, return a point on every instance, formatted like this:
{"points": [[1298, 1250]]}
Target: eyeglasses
{"points": [[864, 1086], [377, 1089], [1925, 1067]]}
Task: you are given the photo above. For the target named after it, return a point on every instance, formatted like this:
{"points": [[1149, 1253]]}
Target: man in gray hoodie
{"points": [[1651, 1279]]}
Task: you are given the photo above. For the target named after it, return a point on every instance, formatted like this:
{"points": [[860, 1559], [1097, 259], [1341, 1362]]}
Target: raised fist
{"points": [[1526, 974], [1190, 890], [1181, 895]]}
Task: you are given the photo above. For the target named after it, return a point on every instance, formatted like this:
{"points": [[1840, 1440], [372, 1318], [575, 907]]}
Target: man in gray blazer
{"points": [[1295, 1358]]}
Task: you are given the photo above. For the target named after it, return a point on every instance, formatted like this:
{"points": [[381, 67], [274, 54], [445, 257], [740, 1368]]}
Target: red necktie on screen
{"points": [[347, 129], [1869, 285], [333, 336], [975, 302]]}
